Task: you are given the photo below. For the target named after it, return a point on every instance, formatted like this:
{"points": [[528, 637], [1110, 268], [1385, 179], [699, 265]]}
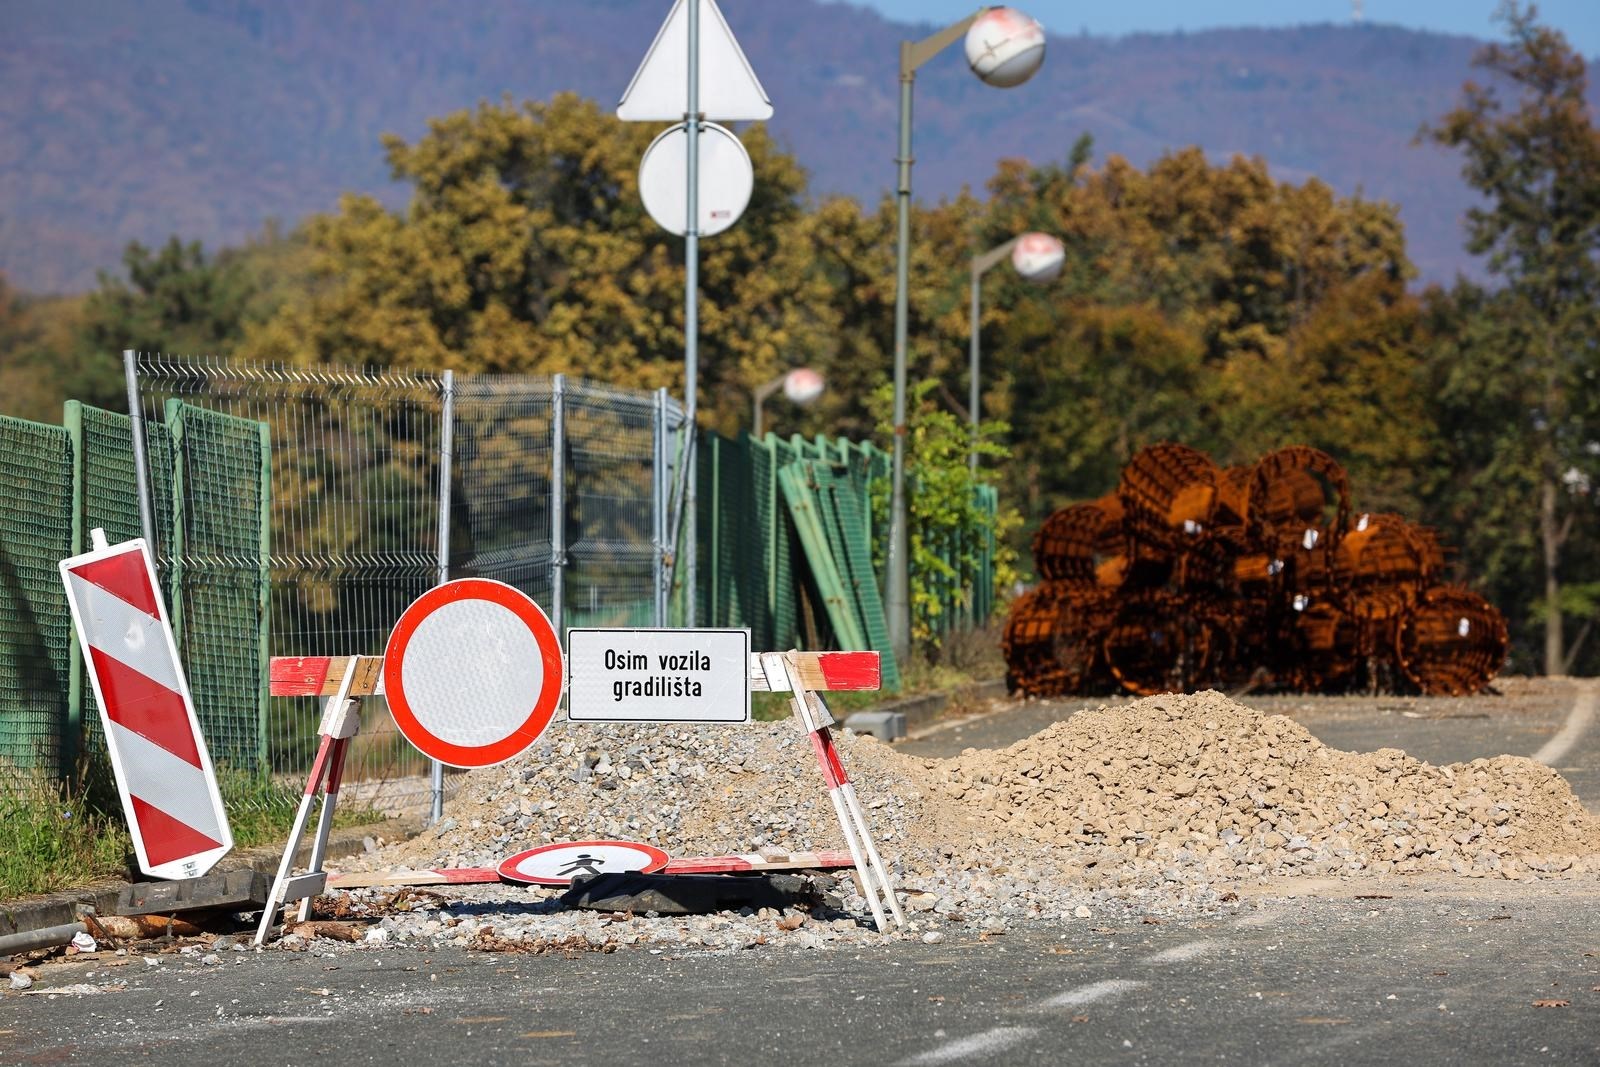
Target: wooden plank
{"points": [[436, 876], [755, 861], [319, 676]]}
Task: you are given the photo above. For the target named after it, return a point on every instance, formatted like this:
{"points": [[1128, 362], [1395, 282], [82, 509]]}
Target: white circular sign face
{"points": [[802, 386], [1038, 257], [472, 672], [560, 863], [726, 179], [1005, 47]]}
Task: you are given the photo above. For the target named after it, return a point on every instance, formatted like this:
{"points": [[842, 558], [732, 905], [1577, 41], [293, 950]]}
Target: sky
{"points": [[1578, 19]]}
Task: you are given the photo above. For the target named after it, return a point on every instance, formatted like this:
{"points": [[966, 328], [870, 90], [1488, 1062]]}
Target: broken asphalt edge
{"points": [[56, 909]]}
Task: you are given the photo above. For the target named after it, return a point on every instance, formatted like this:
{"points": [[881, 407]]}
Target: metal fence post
{"points": [[558, 504], [446, 443], [658, 490], [147, 515]]}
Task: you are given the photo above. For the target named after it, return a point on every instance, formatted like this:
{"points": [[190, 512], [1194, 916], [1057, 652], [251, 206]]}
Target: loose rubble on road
{"points": [[1166, 806]]}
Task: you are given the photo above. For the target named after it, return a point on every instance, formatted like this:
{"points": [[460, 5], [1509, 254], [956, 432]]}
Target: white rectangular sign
{"points": [[658, 675]]}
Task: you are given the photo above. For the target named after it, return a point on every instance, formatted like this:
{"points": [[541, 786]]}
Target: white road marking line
{"points": [[1088, 994], [1189, 950], [987, 1043], [1578, 720]]}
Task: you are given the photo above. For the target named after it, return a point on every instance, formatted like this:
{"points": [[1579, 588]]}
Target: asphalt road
{"points": [[1421, 972], [1425, 977]]}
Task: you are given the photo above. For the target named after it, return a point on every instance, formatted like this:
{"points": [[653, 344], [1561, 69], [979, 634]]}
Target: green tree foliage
{"points": [[1518, 396], [946, 526]]}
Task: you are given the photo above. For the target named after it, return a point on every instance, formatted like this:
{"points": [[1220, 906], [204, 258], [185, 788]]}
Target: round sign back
{"points": [[560, 863], [472, 672], [726, 179]]}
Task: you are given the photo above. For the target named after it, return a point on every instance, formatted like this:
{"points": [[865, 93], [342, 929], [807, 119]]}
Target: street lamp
{"points": [[801, 385], [1037, 257], [1004, 48]]}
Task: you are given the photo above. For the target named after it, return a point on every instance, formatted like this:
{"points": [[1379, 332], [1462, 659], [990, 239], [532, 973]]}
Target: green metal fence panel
{"points": [[108, 498], [219, 567], [35, 627], [800, 494], [839, 508]]}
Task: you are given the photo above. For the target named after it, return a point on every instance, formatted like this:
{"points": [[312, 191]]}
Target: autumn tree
{"points": [[1201, 302], [525, 248], [1531, 148]]}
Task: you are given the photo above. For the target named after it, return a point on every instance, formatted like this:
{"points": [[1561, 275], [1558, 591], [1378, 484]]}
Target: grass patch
{"points": [[56, 838], [62, 837]]}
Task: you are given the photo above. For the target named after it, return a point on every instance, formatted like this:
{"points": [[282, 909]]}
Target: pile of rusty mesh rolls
{"points": [[1192, 576]]}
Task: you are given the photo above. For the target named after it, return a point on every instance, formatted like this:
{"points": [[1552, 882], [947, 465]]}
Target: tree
{"points": [[525, 248], [1536, 160]]}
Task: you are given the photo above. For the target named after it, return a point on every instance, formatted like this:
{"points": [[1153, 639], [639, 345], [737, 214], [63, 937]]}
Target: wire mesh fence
{"points": [[298, 511], [380, 485]]}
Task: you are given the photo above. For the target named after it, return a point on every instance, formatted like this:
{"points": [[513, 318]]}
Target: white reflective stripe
{"points": [[125, 633], [164, 781], [989, 1043], [1088, 994]]}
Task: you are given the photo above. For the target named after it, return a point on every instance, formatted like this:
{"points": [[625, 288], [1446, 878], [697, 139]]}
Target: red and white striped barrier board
{"points": [[320, 676], [163, 771]]}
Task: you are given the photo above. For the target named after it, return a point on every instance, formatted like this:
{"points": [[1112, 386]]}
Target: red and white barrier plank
{"points": [[740, 863], [158, 754], [320, 676]]}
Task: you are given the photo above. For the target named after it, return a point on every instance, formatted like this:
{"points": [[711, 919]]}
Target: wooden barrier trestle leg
{"points": [[814, 717], [340, 721]]}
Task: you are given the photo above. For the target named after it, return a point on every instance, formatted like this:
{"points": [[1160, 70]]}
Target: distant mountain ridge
{"points": [[137, 119]]}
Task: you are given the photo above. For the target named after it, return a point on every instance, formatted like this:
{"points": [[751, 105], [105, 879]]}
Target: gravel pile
{"points": [[1199, 781], [1152, 808]]}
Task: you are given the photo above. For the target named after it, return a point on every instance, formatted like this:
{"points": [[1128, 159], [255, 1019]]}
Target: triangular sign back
{"points": [[729, 89]]}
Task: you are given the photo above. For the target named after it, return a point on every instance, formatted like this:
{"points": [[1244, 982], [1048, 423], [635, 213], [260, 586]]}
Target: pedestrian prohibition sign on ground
{"points": [[472, 672], [163, 771], [560, 863]]}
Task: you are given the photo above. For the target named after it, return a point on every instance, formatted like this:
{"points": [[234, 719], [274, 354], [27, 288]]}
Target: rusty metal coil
{"points": [[1167, 492], [1157, 644], [1290, 499], [1453, 643], [1382, 566], [1075, 541], [1189, 576]]}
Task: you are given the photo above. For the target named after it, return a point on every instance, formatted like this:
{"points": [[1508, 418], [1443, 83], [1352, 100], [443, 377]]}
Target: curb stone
{"points": [[923, 709], [57, 909]]}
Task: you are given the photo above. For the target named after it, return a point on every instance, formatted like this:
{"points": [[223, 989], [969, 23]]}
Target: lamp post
{"points": [[1004, 48], [801, 386], [1038, 258]]}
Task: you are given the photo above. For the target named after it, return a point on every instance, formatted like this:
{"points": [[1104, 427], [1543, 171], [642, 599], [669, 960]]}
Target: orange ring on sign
{"points": [[544, 707]]}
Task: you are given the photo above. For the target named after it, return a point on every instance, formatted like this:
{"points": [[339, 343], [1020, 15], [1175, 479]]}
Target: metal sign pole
{"points": [[141, 472], [691, 313], [447, 421]]}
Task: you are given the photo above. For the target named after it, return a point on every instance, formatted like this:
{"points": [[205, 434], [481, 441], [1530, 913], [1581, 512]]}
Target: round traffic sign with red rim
{"points": [[561, 862], [472, 672]]}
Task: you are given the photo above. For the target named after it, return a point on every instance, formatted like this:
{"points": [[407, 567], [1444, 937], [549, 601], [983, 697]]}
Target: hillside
{"points": [[136, 119]]}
